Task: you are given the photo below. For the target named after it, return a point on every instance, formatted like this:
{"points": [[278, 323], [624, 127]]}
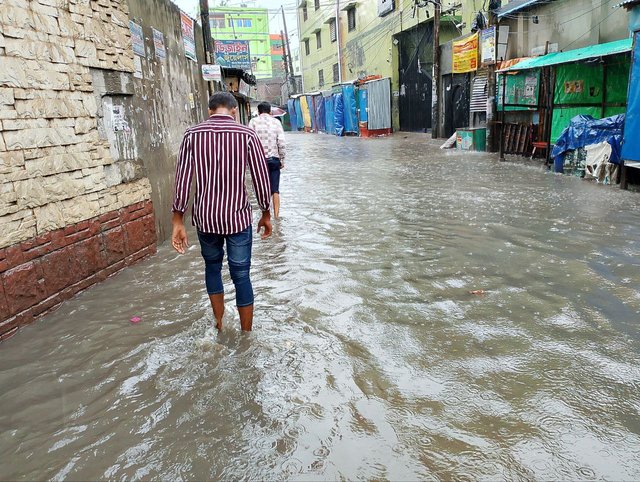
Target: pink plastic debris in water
{"points": [[135, 319]]}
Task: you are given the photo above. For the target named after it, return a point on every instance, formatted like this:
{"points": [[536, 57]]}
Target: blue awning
{"points": [[515, 6]]}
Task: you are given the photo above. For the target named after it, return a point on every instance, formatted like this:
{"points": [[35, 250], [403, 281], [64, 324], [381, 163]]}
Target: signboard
{"points": [[465, 54], [158, 44], [385, 7], [488, 44], [137, 39], [244, 88], [212, 73], [233, 54], [188, 35]]}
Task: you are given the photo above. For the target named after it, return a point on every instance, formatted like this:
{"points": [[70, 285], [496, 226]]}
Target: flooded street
{"points": [[369, 359]]}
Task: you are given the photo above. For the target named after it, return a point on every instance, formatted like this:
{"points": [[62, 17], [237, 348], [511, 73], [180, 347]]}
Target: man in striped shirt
{"points": [[218, 151]]}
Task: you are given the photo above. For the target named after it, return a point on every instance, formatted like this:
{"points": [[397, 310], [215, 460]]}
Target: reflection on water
{"points": [[370, 359]]}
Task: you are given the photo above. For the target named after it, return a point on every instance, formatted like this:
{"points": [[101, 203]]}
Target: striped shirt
{"points": [[271, 134], [218, 151]]}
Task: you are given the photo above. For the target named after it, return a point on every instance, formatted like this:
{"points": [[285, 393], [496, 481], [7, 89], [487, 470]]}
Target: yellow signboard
{"points": [[465, 54]]}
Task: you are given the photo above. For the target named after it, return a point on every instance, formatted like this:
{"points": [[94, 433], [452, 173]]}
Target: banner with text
{"points": [[233, 54], [211, 73], [465, 54], [188, 36], [488, 45]]}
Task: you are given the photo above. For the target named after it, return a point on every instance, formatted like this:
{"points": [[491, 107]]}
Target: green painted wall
{"points": [[252, 24]]}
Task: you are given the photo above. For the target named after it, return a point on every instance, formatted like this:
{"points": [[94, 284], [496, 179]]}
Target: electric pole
{"points": [[292, 78], [285, 61], [435, 97], [339, 41], [206, 34], [491, 83]]}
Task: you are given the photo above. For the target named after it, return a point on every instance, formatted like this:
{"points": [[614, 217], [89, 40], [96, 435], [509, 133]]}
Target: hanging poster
{"points": [[188, 36], [488, 45], [212, 73], [137, 68], [137, 39], [233, 54], [158, 43], [465, 54]]}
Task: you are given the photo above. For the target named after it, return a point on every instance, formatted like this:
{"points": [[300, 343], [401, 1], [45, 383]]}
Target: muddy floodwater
{"points": [[370, 358]]}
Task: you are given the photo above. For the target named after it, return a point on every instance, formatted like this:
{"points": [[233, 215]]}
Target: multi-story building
{"points": [[277, 56], [249, 26], [391, 38]]}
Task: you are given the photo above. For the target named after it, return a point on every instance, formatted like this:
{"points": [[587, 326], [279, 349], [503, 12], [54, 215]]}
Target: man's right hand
{"points": [[179, 239], [265, 222]]}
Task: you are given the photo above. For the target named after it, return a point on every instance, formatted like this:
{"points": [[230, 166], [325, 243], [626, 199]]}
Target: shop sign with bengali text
{"points": [[188, 35], [465, 54], [233, 54], [158, 44]]}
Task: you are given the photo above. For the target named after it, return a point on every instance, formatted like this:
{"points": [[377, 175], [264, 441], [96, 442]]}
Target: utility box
{"points": [[473, 139]]}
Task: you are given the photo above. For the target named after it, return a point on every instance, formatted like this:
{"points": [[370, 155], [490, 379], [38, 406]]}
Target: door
{"points": [[456, 102], [416, 60]]}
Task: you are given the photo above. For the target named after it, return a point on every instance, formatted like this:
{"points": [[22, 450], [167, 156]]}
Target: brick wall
{"points": [[39, 274], [70, 212]]}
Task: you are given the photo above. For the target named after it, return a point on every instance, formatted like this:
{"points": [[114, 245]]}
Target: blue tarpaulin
{"points": [[339, 114], [350, 114], [291, 107], [329, 114], [299, 117], [584, 130], [320, 120], [631, 146]]}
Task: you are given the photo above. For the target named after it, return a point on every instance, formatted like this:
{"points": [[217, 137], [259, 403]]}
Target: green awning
{"points": [[600, 50]]}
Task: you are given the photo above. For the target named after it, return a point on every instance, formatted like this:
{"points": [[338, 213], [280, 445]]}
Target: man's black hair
{"points": [[222, 99], [264, 108]]}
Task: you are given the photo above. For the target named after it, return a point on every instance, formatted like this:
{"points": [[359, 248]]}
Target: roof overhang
{"points": [[515, 6], [576, 55], [316, 30], [349, 6], [333, 18]]}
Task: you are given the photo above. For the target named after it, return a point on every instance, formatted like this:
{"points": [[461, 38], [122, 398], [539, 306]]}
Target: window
{"points": [[321, 78], [351, 18], [306, 46], [336, 73], [316, 4], [318, 40], [247, 23], [305, 15], [217, 20], [333, 34]]}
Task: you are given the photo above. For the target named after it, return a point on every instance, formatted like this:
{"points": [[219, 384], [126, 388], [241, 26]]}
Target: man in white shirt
{"points": [[271, 134]]}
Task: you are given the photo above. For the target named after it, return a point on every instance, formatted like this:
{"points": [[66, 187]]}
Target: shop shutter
{"points": [[479, 93]]}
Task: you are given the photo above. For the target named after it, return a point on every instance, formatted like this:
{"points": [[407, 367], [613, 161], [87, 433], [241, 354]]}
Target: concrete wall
{"points": [[161, 109], [370, 48], [83, 143], [571, 25]]}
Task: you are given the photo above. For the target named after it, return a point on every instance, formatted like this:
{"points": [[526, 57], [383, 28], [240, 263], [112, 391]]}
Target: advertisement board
{"points": [[233, 54], [488, 46], [465, 54], [188, 36]]}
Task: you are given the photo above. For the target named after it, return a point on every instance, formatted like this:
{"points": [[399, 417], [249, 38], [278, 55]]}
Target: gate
{"points": [[416, 60]]}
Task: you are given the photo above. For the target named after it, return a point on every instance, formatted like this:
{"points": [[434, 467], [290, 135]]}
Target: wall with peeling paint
{"points": [[145, 115]]}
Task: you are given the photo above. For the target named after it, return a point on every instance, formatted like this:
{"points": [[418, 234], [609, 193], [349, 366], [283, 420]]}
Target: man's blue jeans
{"points": [[238, 257]]}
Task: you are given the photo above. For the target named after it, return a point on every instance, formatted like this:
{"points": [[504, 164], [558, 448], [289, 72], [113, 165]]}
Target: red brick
{"points": [[8, 334], [70, 229], [4, 306], [115, 247], [89, 256], [110, 224], [47, 305], [3, 254], [37, 252], [58, 239], [107, 217], [140, 234], [22, 287], [113, 269], [14, 256], [77, 236], [59, 270]]}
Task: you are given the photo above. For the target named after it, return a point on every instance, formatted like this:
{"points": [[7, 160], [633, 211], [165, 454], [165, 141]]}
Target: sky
{"points": [[275, 15]]}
